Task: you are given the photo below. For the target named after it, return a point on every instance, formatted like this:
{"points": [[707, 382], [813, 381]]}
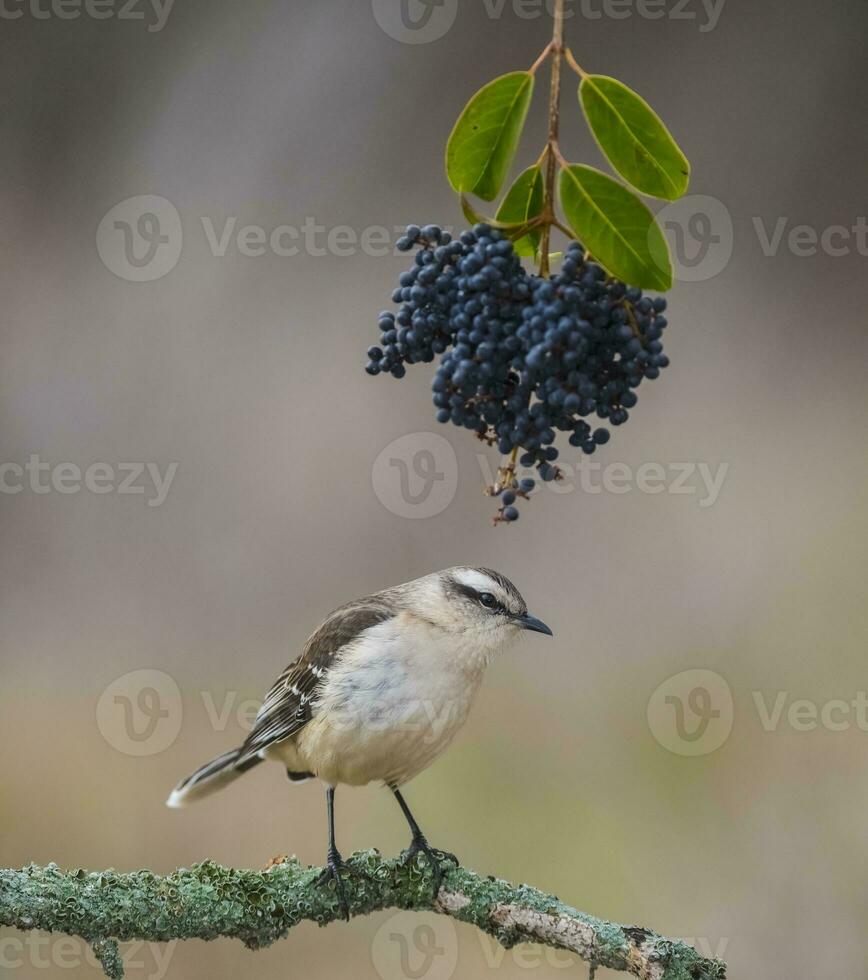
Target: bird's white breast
{"points": [[393, 701]]}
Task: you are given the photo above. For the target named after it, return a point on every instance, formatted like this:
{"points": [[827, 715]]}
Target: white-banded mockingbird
{"points": [[379, 691]]}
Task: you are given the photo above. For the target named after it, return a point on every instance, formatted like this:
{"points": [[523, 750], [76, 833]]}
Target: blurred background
{"points": [[199, 207]]}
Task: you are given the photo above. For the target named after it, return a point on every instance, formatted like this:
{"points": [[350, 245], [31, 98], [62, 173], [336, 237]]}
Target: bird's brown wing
{"points": [[287, 706]]}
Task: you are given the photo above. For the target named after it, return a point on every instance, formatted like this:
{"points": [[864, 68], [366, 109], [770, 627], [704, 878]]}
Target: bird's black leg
{"points": [[334, 862], [419, 844]]}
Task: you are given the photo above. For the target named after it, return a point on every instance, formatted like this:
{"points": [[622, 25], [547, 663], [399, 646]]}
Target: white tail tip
{"points": [[176, 800]]}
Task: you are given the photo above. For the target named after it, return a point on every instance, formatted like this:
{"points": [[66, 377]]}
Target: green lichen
{"points": [[108, 954], [207, 901]]}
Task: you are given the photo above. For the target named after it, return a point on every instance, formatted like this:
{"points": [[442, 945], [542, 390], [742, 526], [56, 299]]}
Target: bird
{"points": [[379, 690]]}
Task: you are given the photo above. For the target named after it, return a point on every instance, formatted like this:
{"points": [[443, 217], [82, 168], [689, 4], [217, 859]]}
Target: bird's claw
{"points": [[434, 856], [335, 864]]}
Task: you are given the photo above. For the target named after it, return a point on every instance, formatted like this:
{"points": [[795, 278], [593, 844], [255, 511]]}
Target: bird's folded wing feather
{"points": [[287, 707]]}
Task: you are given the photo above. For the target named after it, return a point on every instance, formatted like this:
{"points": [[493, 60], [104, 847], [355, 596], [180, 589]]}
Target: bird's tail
{"points": [[209, 778]]}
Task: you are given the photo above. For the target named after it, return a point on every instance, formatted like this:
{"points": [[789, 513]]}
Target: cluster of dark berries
{"points": [[521, 356], [508, 490]]}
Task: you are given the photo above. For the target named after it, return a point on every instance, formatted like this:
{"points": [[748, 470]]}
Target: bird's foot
{"points": [[434, 856], [335, 865]]}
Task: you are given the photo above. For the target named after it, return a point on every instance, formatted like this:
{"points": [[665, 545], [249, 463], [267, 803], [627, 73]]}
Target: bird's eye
{"points": [[487, 600]]}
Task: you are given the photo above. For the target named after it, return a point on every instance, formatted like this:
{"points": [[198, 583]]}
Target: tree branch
{"points": [[259, 907]]}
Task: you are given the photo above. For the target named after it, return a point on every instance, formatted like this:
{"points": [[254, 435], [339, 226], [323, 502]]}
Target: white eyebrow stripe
{"points": [[476, 580]]}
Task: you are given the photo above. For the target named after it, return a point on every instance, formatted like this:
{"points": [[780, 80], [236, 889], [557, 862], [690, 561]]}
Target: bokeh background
{"points": [[246, 372]]}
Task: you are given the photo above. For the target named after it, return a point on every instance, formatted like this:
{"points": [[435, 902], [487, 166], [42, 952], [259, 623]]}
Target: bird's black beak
{"points": [[528, 622]]}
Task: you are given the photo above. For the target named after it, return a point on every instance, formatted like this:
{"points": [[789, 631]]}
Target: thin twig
{"points": [[562, 227], [557, 50]]}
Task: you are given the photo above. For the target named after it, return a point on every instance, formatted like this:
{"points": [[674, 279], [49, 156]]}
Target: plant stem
{"points": [[571, 61], [547, 50], [557, 49]]}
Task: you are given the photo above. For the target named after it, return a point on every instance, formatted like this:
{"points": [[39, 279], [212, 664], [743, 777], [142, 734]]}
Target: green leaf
{"points": [[483, 143], [523, 203], [633, 138], [615, 227]]}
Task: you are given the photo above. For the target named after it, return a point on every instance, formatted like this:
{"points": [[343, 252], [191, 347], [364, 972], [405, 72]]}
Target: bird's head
{"points": [[480, 605]]}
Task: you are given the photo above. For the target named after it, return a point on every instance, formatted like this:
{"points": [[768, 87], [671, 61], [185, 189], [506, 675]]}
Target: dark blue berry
{"points": [[521, 358]]}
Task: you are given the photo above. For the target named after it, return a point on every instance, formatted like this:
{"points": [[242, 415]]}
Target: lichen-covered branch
{"points": [[259, 907]]}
